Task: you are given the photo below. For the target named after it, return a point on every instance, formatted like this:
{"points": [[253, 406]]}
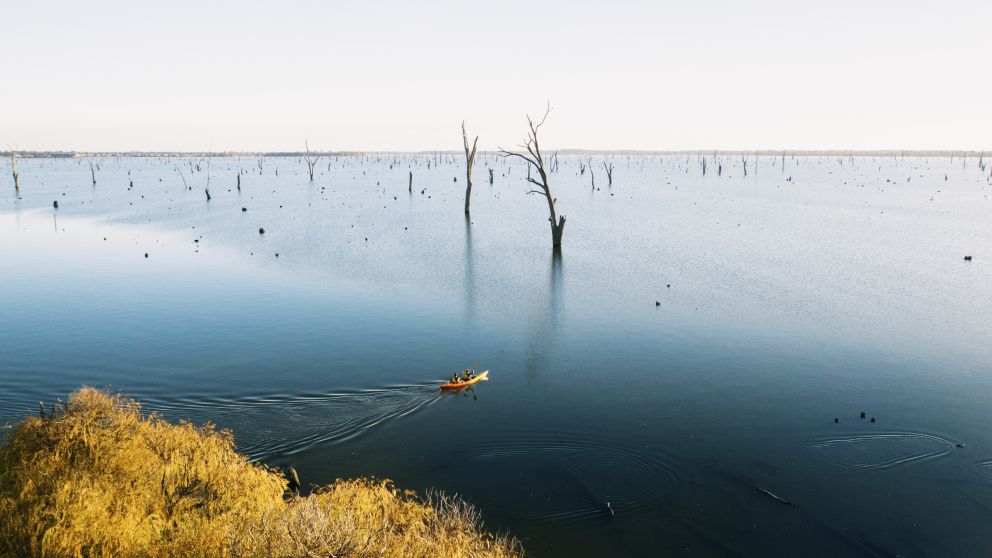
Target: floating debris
{"points": [[773, 495]]}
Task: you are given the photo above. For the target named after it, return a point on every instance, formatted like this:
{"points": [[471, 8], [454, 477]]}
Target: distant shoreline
{"points": [[698, 152]]}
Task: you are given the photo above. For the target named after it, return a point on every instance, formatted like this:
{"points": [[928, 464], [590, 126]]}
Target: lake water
{"points": [[611, 425]]}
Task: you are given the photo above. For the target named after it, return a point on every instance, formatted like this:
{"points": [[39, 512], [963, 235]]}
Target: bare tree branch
{"points": [[469, 162], [13, 168], [535, 160], [310, 159]]}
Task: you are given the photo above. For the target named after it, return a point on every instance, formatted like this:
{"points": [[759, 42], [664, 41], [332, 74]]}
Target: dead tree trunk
{"points": [[469, 161], [310, 159], [744, 160], [185, 185], [609, 172], [92, 172], [13, 170], [206, 189], [490, 177], [592, 175], [410, 186], [535, 160]]}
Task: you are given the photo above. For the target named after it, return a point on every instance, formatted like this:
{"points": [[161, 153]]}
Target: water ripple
{"points": [[983, 469], [604, 477], [275, 426], [881, 451]]}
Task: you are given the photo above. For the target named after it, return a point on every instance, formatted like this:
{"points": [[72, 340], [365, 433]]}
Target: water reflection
{"points": [[545, 321], [470, 283]]}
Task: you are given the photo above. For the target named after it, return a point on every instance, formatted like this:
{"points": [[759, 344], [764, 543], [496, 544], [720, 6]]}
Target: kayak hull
{"points": [[480, 377]]}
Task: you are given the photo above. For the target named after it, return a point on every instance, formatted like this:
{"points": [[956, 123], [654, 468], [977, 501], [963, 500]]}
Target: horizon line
{"points": [[55, 153]]}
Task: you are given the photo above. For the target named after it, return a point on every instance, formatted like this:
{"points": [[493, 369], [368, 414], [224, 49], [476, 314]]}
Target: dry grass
{"points": [[101, 479]]}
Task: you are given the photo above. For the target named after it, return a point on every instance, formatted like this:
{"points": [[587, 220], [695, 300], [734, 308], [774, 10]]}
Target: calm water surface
{"points": [[787, 297]]}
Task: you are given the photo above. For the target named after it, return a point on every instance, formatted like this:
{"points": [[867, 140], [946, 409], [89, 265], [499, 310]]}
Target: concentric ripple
{"points": [[882, 450], [269, 427], [604, 478]]}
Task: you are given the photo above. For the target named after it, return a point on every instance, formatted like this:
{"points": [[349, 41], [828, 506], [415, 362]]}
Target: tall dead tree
{"points": [[311, 159], [535, 160], [13, 169], [744, 160], [469, 161], [609, 172], [92, 172], [592, 174]]}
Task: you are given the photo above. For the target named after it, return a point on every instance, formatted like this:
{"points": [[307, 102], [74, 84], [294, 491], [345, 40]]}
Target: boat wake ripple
{"points": [[273, 427], [881, 451]]}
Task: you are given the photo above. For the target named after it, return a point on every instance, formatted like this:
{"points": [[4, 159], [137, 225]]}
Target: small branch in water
{"points": [[773, 495]]}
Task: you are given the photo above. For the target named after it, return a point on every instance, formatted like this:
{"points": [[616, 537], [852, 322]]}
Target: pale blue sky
{"points": [[402, 75]]}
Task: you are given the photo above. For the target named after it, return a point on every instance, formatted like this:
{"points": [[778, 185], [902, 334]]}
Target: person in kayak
{"points": [[455, 379], [468, 374]]}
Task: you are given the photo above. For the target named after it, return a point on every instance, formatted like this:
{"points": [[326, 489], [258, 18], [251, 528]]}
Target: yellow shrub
{"points": [[101, 480]]}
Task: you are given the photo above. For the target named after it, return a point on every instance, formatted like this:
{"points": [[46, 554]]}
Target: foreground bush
{"points": [[101, 479]]}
